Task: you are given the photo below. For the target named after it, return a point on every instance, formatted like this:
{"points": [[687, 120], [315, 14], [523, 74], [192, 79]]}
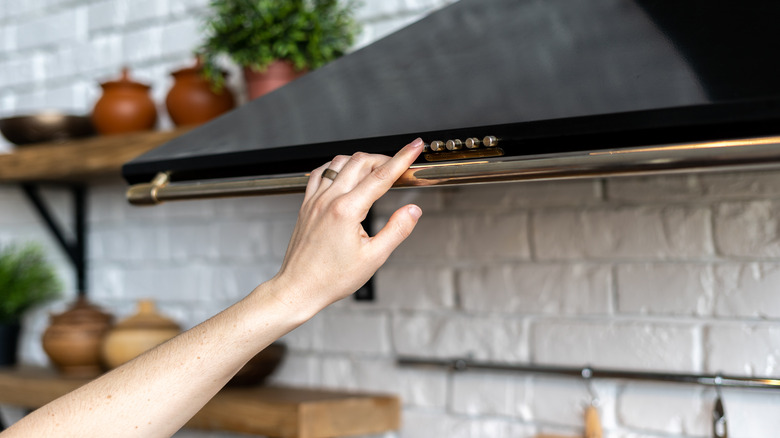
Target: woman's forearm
{"points": [[329, 257], [155, 394]]}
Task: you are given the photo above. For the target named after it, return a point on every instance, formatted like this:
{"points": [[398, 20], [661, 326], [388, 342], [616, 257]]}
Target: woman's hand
{"points": [[330, 254]]}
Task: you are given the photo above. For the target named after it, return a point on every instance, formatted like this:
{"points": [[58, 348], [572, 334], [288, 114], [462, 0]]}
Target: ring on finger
{"points": [[330, 174]]}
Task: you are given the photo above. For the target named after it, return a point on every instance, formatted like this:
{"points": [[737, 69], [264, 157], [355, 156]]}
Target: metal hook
{"points": [[719, 423], [587, 374]]}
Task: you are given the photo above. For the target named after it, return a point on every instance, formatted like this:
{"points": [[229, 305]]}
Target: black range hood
{"points": [[508, 90]]}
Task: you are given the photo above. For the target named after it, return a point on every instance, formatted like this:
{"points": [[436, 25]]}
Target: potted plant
{"points": [[27, 279], [275, 41]]}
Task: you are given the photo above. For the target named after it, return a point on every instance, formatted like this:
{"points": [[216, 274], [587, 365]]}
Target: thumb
{"points": [[396, 230]]}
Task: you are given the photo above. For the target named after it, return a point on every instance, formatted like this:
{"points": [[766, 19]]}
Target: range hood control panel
{"points": [[458, 149]]}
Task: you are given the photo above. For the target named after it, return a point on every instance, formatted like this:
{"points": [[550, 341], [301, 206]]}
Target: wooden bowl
{"points": [[45, 127], [260, 367]]}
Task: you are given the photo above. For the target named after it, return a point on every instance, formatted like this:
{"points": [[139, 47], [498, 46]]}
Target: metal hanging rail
{"points": [[738, 154], [595, 373]]}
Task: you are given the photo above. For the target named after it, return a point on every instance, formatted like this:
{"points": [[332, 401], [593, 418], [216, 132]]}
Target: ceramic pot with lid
{"points": [[72, 340], [136, 334], [193, 101], [125, 106]]}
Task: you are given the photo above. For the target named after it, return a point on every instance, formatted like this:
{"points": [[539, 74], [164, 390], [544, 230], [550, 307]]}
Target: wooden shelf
{"points": [[262, 410], [78, 160]]}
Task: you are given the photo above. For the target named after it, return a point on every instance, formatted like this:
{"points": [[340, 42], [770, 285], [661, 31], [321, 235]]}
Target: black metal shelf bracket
{"points": [[74, 247]]}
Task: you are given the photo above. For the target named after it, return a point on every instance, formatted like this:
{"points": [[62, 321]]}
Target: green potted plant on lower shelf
{"points": [[27, 279], [275, 41]]}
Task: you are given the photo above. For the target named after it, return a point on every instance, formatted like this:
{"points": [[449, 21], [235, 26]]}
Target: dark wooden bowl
{"points": [[45, 127], [260, 367]]}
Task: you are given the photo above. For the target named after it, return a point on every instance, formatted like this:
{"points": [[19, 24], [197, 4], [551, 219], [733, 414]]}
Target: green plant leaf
{"points": [[27, 279]]}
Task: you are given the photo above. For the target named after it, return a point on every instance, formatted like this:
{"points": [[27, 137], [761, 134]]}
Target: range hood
{"points": [[505, 90]]}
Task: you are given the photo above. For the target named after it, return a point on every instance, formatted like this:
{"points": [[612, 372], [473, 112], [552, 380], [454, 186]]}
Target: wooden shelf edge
{"points": [[79, 160], [261, 410]]}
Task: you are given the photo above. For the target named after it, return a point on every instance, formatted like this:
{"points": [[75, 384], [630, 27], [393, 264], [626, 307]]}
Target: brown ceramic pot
{"points": [[276, 75], [125, 106], [136, 334], [72, 340], [192, 100]]}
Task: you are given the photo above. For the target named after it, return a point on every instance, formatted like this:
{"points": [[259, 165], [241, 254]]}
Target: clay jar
{"points": [[136, 334], [72, 340], [192, 99], [276, 75], [125, 106]]}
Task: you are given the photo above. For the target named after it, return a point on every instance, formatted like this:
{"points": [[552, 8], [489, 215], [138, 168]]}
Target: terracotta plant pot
{"points": [[72, 340], [136, 334], [192, 99], [125, 106], [278, 74]]}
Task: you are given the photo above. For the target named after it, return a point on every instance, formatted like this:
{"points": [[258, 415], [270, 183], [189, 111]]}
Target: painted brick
{"points": [[439, 336], [434, 238], [482, 393], [281, 233], [426, 423], [104, 52], [69, 98], [415, 387], [747, 290], [489, 237], [490, 427], [413, 288], [233, 282], [751, 414], [663, 189], [189, 243], [748, 229], [536, 288], [185, 283], [614, 344], [62, 27], [25, 69], [635, 232], [178, 7], [145, 10], [242, 239], [527, 194], [107, 15], [183, 36], [349, 332], [298, 369], [371, 9], [562, 401], [665, 289], [745, 185], [743, 349], [672, 409], [30, 101], [278, 206], [142, 45], [428, 199], [8, 34]]}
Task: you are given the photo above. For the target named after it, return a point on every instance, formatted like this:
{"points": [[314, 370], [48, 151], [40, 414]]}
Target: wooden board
{"points": [[79, 160], [262, 410]]}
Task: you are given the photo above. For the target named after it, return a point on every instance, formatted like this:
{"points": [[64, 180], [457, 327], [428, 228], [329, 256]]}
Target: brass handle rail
{"points": [[739, 154], [595, 373]]}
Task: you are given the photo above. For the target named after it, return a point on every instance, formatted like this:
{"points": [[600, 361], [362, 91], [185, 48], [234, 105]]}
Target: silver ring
{"points": [[330, 174]]}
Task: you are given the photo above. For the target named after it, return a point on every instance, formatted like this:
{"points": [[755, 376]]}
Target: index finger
{"points": [[381, 178]]}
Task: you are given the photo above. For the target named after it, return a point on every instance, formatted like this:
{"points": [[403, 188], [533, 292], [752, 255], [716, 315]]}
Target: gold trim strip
{"points": [[742, 154]]}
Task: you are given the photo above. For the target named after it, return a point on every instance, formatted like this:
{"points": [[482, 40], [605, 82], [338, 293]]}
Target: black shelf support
{"points": [[74, 247]]}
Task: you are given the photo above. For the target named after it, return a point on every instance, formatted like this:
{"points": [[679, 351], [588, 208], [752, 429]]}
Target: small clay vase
{"points": [[125, 106], [277, 74], [136, 334], [72, 340], [193, 101]]}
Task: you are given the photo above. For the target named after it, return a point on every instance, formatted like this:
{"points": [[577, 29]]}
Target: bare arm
{"points": [[329, 257]]}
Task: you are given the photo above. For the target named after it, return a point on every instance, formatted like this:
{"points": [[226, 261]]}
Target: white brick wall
{"points": [[674, 273]]}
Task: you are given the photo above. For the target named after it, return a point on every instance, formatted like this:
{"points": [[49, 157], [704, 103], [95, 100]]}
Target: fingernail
{"points": [[415, 211], [416, 143]]}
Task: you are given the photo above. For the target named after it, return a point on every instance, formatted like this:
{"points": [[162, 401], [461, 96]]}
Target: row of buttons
{"points": [[457, 144]]}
